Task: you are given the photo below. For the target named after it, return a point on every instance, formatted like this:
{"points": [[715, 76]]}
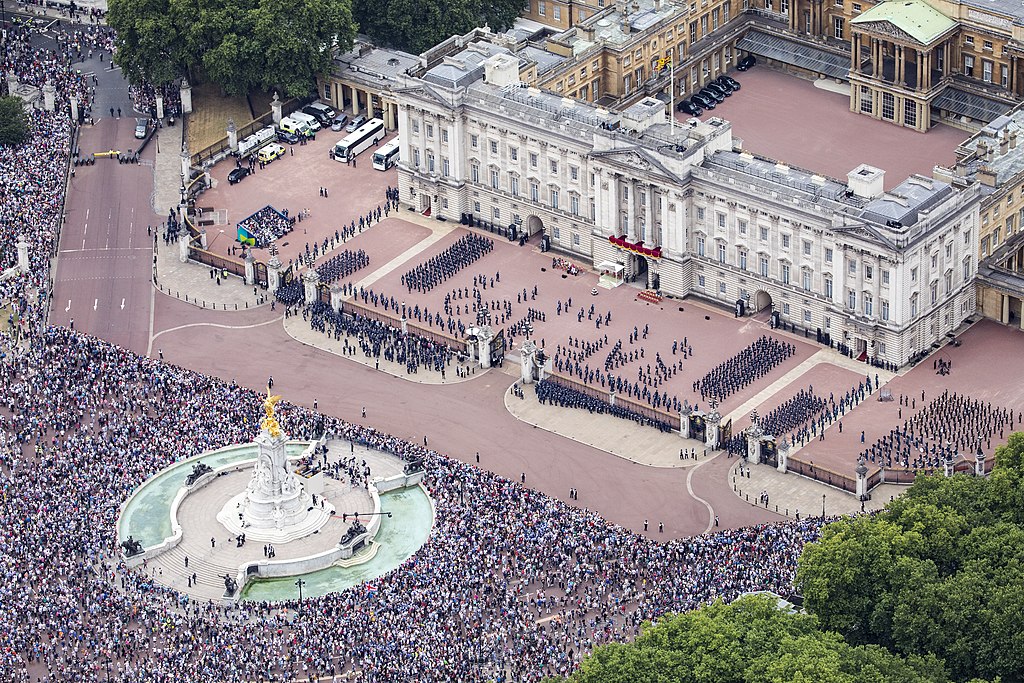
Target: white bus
{"points": [[355, 142], [387, 156]]}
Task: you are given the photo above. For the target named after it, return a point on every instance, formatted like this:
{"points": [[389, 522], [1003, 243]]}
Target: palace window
{"points": [[888, 106]]}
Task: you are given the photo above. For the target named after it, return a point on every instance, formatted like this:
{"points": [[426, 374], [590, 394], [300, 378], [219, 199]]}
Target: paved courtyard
{"points": [[789, 119]]}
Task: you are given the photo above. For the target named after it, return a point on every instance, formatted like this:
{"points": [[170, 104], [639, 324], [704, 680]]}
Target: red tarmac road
{"points": [[104, 264], [458, 419]]}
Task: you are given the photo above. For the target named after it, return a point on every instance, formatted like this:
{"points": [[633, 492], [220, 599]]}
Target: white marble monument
{"points": [[275, 506]]}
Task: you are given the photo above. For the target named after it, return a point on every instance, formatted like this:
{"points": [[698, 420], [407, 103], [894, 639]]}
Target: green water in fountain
{"points": [[399, 537]]}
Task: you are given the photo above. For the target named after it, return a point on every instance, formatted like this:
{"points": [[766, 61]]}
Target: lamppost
{"points": [[357, 515], [300, 583], [219, 233], [823, 506]]}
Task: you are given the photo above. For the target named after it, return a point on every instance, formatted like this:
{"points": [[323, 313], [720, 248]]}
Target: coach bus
{"points": [[355, 142], [387, 156]]}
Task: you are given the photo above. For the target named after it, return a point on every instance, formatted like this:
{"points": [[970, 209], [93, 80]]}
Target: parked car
{"points": [[339, 122], [320, 113], [708, 93], [746, 63], [237, 174], [719, 89], [724, 85], [704, 101], [270, 152], [733, 83], [141, 128], [355, 123], [690, 107], [285, 136]]}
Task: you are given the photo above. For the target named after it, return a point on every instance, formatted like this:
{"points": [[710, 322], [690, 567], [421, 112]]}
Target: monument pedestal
{"points": [[275, 506]]}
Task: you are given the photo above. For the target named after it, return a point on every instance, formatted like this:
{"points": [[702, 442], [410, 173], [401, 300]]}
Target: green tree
{"points": [[749, 641], [939, 571], [240, 45], [417, 25], [13, 121]]}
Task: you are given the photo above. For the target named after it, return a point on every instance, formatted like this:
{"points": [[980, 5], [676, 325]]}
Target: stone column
{"points": [[186, 97], [232, 135], [862, 479], [186, 166], [159, 106], [483, 341], [275, 107], [754, 435], [74, 110], [274, 273], [631, 214], [684, 421], [782, 455], [22, 254], [355, 101], [947, 466], [337, 295], [711, 429], [203, 239], [12, 82], [527, 361], [183, 243], [250, 269], [49, 97], [310, 280], [979, 464]]}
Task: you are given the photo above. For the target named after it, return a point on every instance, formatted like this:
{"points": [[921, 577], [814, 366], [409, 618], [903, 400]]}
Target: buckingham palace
{"points": [[680, 208]]}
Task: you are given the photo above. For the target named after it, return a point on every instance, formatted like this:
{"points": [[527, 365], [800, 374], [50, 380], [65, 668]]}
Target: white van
{"points": [[310, 121], [300, 128], [253, 142]]}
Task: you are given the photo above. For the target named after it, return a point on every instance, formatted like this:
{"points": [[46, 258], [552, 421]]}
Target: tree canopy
{"points": [[939, 571], [240, 45], [750, 640], [417, 25], [13, 121]]}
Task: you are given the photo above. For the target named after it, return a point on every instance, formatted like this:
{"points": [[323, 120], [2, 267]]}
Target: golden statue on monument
{"points": [[269, 422]]}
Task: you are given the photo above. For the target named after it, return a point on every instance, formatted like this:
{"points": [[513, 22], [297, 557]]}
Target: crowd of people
{"points": [[36, 65], [747, 366], [806, 415], [32, 192], [85, 422], [437, 269], [555, 393], [144, 98], [951, 427], [378, 340], [342, 265], [267, 225]]}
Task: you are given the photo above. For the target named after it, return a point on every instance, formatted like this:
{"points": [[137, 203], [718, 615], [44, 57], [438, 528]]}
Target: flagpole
{"points": [[672, 95]]}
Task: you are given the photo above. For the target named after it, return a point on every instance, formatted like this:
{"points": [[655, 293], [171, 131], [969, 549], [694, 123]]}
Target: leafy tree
{"points": [[239, 44], [749, 641], [939, 571], [13, 121], [417, 25]]}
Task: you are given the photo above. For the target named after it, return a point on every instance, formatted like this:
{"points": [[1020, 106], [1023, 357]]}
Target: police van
{"points": [[290, 125]]}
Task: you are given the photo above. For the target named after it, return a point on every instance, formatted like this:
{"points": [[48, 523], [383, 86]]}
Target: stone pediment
{"points": [[637, 160], [424, 91], [888, 30]]}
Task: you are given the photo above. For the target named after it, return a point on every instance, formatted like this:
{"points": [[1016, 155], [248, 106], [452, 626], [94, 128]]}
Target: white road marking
{"points": [[87, 214], [86, 230], [68, 308], [223, 327], [122, 304], [95, 303]]}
